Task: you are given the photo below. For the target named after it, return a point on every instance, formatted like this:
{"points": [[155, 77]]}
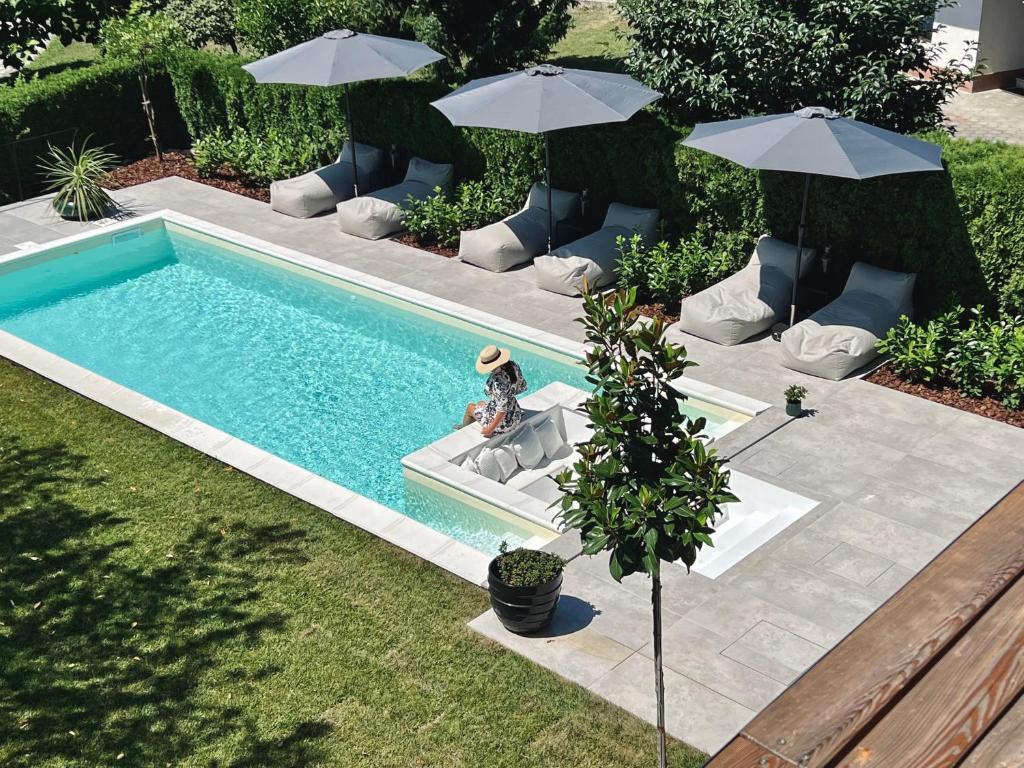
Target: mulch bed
{"points": [[411, 240], [983, 406], [177, 163], [657, 310]]}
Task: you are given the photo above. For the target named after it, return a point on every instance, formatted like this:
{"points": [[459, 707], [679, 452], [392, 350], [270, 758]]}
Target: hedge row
{"points": [[963, 232], [101, 100], [213, 91]]}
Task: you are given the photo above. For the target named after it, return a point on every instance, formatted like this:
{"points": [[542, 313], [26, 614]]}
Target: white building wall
{"points": [[957, 29], [1002, 35]]}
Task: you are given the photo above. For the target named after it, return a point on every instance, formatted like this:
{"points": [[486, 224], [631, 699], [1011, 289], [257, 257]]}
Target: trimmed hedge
{"points": [[639, 161], [963, 232], [101, 100]]}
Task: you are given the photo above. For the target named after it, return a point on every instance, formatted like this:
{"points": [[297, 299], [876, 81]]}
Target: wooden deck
{"points": [[933, 678]]}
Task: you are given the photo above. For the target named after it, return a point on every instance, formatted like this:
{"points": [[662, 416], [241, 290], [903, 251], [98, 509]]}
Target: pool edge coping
{"points": [[374, 518], [742, 404]]}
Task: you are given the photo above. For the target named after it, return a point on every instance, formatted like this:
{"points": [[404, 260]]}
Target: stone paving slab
{"points": [[996, 115], [897, 477]]}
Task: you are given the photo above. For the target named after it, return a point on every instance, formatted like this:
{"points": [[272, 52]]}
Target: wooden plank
{"points": [[741, 752], [1003, 746], [964, 694], [853, 685]]}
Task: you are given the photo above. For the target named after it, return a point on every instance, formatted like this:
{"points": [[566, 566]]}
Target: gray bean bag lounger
{"points": [[840, 337], [749, 302], [518, 238], [321, 190], [380, 214], [591, 262]]}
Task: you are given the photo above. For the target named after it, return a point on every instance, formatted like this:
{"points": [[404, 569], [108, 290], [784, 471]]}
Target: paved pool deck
{"points": [[897, 477]]}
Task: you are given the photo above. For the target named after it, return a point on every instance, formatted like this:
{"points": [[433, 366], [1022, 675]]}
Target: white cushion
{"points": [[550, 438], [506, 461], [487, 465], [469, 463], [527, 446]]}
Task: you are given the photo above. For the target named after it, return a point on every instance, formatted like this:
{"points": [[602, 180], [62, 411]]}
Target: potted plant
{"points": [[795, 395], [524, 585], [77, 176]]}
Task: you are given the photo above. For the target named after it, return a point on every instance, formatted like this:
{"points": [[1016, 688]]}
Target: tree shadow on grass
{"points": [[104, 644]]}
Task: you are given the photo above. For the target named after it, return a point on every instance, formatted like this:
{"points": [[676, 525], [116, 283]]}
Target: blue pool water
{"points": [[337, 382]]}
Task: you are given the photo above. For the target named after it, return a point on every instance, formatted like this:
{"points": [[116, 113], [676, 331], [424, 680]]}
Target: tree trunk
{"points": [[147, 109], [659, 673]]}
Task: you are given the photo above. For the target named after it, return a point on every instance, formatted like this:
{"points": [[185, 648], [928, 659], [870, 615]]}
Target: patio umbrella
{"points": [[814, 141], [545, 98], [342, 57]]}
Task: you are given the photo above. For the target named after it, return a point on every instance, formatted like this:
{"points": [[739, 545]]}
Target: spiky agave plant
{"points": [[77, 175]]}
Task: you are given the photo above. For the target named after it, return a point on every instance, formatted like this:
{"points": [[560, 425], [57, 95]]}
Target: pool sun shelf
{"points": [[764, 510]]}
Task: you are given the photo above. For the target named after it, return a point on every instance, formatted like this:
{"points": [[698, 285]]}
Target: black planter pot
{"points": [[794, 409], [523, 609]]}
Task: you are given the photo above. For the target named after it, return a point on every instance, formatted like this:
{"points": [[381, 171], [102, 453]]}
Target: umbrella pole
{"points": [[351, 143], [547, 180], [799, 249]]}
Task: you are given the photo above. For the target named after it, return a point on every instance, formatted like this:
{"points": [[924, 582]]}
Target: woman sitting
{"points": [[500, 413]]}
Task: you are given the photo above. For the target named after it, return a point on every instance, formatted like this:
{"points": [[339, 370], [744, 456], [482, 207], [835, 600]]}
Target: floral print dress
{"points": [[501, 392]]}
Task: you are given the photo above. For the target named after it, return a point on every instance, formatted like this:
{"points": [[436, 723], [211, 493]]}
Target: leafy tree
{"points": [[477, 36], [205, 21], [142, 35], [482, 37], [25, 25], [646, 487], [866, 59], [269, 26]]}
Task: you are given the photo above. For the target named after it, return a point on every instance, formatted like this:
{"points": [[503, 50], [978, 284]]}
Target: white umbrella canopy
{"points": [[545, 98], [341, 57], [814, 141]]}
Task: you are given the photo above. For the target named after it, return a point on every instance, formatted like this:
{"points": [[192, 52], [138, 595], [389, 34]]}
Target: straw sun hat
{"points": [[491, 357]]}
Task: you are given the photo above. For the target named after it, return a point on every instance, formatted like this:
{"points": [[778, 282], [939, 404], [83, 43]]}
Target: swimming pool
{"points": [[329, 376]]}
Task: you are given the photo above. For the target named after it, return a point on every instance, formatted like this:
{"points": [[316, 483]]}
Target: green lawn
{"points": [[158, 605], [595, 40], [58, 56]]}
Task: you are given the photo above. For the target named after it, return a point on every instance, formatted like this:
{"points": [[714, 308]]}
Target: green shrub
{"points": [[1011, 298], [205, 21], [665, 273], [975, 353], [917, 352], [268, 26], [717, 59], [101, 100], [484, 37], [140, 32], [527, 567], [439, 219], [262, 159], [212, 152]]}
